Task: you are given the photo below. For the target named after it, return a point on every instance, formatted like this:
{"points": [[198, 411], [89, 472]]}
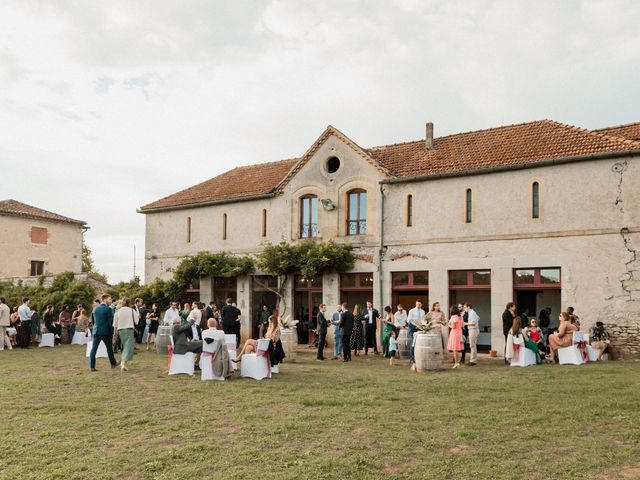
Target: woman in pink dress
{"points": [[455, 343]]}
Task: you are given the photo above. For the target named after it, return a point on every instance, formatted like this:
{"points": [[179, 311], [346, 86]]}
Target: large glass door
{"points": [[306, 300]]}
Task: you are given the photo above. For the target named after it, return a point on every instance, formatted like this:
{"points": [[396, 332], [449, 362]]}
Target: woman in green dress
{"points": [[388, 328]]}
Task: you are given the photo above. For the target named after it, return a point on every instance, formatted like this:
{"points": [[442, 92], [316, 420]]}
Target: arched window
{"points": [[308, 216], [188, 229], [535, 200], [224, 226], [469, 209], [357, 212], [409, 210], [264, 222]]}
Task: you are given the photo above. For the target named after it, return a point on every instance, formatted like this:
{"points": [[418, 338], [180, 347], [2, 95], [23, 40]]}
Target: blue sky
{"points": [[106, 106]]}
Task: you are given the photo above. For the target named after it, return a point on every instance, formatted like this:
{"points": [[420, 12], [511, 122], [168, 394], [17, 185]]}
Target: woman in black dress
{"points": [[153, 318], [357, 335]]}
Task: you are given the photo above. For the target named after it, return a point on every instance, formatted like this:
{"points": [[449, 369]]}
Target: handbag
{"points": [[463, 339]]}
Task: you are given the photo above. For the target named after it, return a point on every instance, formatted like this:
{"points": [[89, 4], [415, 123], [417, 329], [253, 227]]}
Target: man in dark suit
{"points": [[346, 326], [371, 317], [181, 333], [507, 322], [323, 323], [230, 324], [142, 323], [102, 331]]}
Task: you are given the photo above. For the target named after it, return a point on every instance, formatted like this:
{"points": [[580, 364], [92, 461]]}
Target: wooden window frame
{"points": [[313, 232], [409, 210], [36, 263], [359, 221]]}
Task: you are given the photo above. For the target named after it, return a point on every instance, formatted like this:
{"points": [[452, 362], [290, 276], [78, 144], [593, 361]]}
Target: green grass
{"points": [[329, 421]]}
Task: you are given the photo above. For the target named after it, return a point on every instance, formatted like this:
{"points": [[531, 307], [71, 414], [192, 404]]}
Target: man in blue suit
{"points": [[102, 331]]}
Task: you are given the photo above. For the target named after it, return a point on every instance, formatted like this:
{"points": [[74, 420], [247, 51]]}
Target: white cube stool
{"points": [[256, 365], [47, 340], [230, 340], [572, 355], [183, 363], [100, 353], [525, 358], [594, 352], [79, 338]]}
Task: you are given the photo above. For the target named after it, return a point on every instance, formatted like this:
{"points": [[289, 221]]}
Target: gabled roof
{"points": [[630, 131], [330, 130], [241, 183], [519, 146], [17, 209]]}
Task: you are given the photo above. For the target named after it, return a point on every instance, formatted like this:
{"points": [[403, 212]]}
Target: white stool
{"points": [[594, 352], [47, 340], [79, 338], [230, 341], [525, 358], [100, 353], [183, 363], [572, 355], [256, 365], [209, 349]]}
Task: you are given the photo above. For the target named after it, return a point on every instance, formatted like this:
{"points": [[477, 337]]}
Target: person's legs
{"points": [[25, 334], [346, 348], [95, 342], [2, 339], [109, 344], [127, 338], [72, 330], [337, 345], [249, 347], [473, 345], [321, 340], [411, 350]]}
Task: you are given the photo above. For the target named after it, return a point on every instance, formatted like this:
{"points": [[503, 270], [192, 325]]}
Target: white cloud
{"points": [[105, 106]]}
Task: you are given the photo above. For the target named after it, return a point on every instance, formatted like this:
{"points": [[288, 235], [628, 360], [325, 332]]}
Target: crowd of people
{"points": [[121, 324]]}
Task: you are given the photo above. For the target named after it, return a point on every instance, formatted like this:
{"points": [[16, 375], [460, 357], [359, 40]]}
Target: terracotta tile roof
{"points": [[522, 144], [240, 182], [630, 131], [18, 209]]}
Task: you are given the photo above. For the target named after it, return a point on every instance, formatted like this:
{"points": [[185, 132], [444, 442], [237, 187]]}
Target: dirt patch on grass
{"points": [[624, 472], [461, 450]]}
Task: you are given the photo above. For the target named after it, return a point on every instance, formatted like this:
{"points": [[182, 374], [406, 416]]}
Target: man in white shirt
{"points": [[195, 316], [5, 322], [371, 317], [415, 320], [171, 314], [25, 323], [473, 324], [400, 318]]}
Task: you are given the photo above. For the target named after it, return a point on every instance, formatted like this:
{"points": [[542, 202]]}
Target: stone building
{"points": [[541, 213], [36, 242]]}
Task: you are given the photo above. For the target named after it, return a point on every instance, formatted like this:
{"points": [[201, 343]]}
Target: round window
{"points": [[333, 164]]}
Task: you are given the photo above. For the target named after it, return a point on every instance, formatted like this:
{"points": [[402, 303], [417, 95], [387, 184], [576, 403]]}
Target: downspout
{"points": [[381, 254]]}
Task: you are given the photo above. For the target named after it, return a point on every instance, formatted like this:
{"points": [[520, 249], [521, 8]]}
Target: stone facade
{"points": [[23, 240], [588, 227]]}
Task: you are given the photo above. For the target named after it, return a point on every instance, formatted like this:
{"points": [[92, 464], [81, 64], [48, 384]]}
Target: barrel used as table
{"points": [[403, 343], [428, 352], [289, 339], [162, 339]]}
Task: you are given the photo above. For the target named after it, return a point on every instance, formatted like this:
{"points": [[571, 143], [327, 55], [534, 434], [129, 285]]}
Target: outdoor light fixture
{"points": [[327, 204]]}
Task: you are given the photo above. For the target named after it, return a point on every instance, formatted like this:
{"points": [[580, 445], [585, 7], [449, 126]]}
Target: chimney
{"points": [[428, 141]]}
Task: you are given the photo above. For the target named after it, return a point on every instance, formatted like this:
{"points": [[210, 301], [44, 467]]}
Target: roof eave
{"points": [[208, 203], [70, 221], [520, 166]]}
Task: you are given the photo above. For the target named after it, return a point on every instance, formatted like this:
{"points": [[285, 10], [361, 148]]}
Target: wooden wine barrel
{"points": [[403, 343], [162, 339], [289, 339], [428, 352]]}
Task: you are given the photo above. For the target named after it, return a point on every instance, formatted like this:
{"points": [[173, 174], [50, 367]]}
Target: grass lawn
{"points": [[316, 420]]}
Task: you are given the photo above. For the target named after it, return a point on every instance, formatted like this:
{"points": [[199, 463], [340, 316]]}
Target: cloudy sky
{"points": [[106, 106]]}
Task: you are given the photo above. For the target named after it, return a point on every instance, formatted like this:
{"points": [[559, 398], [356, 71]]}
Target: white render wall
{"points": [[584, 207], [62, 252]]}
